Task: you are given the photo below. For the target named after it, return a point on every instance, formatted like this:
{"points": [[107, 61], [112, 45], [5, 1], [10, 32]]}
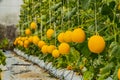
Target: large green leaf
{"points": [[105, 10], [103, 76], [116, 51], [107, 68], [115, 77], [112, 4], [88, 75], [85, 4]]}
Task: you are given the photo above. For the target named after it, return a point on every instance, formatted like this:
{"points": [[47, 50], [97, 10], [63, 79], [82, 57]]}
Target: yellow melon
{"points": [[50, 48], [44, 49], [78, 35], [41, 43], [55, 53], [67, 36], [28, 31], [60, 37], [49, 33], [33, 25], [64, 48], [96, 44]]}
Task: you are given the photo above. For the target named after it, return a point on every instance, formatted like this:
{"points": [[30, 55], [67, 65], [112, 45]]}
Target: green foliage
{"points": [[2, 58], [62, 15], [4, 43], [107, 68], [88, 75]]}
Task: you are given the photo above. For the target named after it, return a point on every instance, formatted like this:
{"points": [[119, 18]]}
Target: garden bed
{"points": [[19, 68], [59, 73], [63, 74]]}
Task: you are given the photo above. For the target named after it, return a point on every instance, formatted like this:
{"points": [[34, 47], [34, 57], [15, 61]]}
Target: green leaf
{"points": [[85, 4], [70, 14], [75, 55], [116, 51], [84, 49], [43, 17], [115, 77], [107, 68], [88, 75], [105, 10], [2, 58], [104, 76], [111, 16], [112, 45], [112, 4], [56, 6]]}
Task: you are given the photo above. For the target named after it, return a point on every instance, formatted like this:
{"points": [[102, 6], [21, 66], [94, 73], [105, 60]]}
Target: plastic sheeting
{"points": [[59, 73], [17, 68], [9, 11]]}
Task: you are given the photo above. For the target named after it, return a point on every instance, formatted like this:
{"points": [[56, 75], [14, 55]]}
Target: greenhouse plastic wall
{"points": [[9, 11]]}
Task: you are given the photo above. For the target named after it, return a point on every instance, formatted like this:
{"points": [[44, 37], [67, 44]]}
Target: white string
{"points": [[36, 26], [55, 32], [50, 13], [41, 22], [78, 11], [62, 15], [22, 30], [95, 19], [68, 12]]}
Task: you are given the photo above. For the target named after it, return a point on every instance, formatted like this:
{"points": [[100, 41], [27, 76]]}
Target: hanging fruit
{"points": [[26, 42], [60, 37], [28, 31], [44, 49], [96, 44], [50, 48], [30, 38], [21, 43], [33, 25], [118, 74], [67, 36], [55, 53], [64, 48], [41, 43], [36, 40], [49, 33], [78, 35]]}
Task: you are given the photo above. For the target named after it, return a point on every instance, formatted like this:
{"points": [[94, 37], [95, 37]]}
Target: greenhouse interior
{"points": [[59, 40]]}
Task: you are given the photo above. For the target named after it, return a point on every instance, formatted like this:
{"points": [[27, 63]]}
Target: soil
{"points": [[21, 69]]}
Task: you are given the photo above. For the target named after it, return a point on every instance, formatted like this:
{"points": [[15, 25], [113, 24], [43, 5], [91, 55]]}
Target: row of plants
{"points": [[82, 36]]}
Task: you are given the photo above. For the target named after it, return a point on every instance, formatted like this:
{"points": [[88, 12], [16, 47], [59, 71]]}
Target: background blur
{"points": [[9, 11]]}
